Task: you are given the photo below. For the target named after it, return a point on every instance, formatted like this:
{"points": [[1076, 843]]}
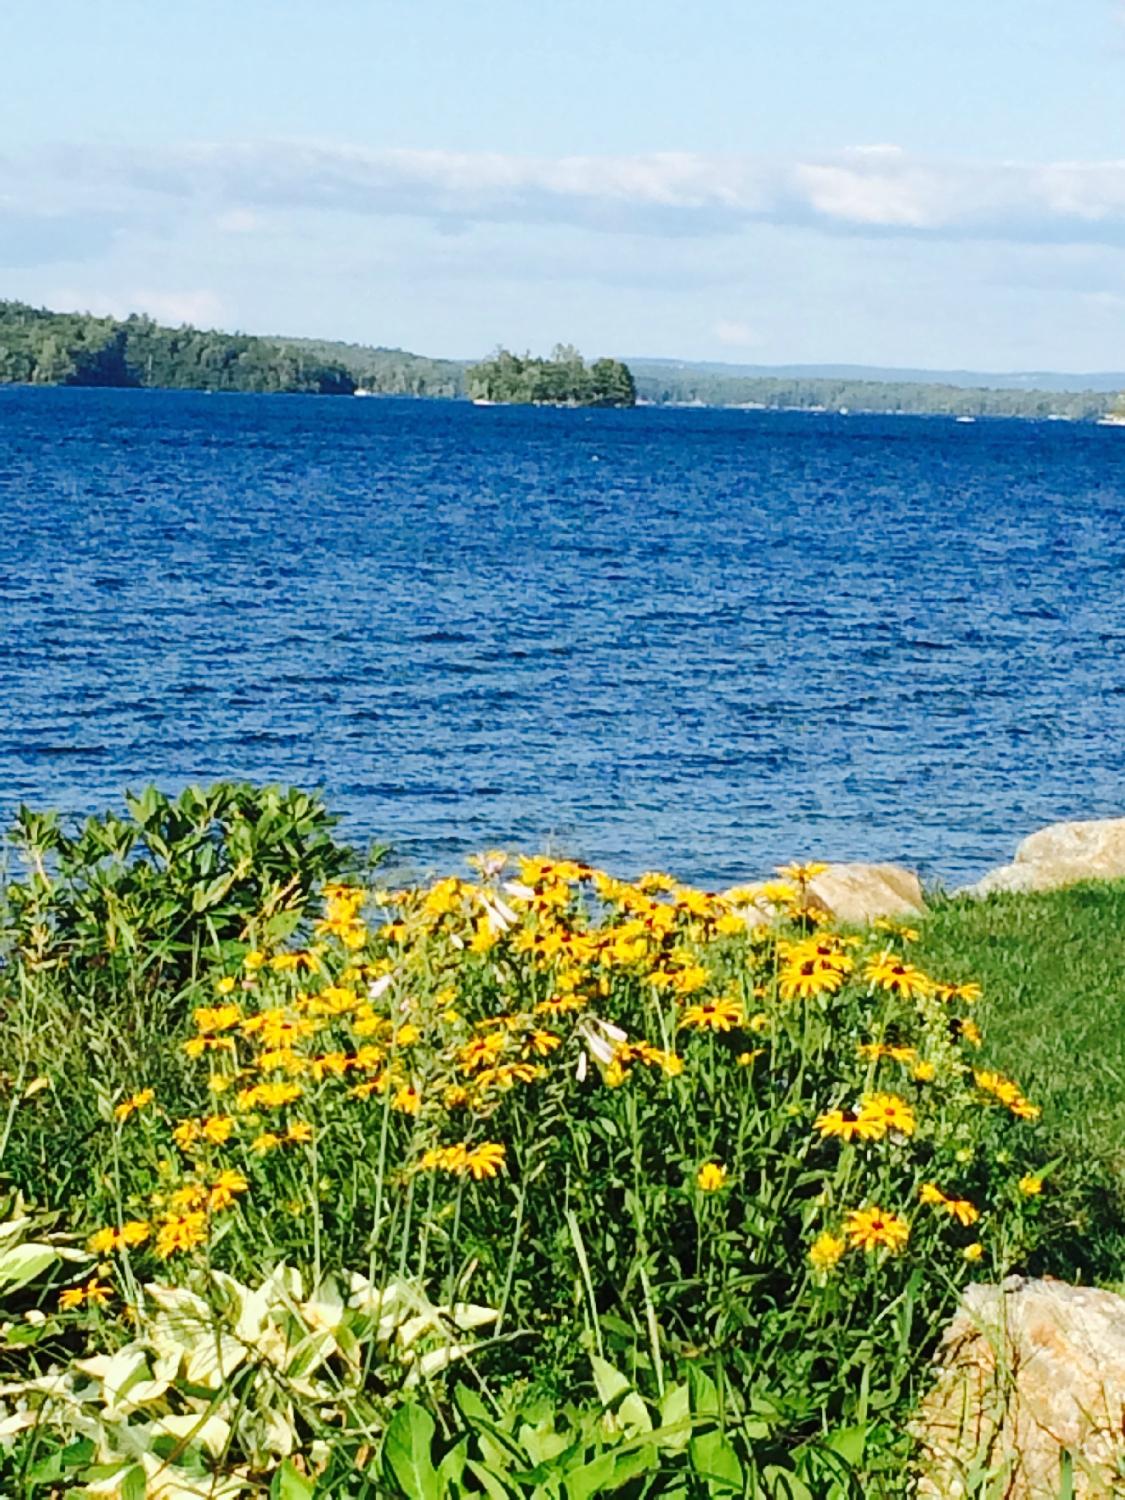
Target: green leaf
{"points": [[289, 1484], [704, 1393], [489, 1481], [783, 1484], [134, 1485], [618, 1396], [847, 1443], [591, 1479], [452, 1465], [714, 1460], [23, 1263], [406, 1453]]}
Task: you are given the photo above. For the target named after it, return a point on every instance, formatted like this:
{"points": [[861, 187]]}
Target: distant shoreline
{"points": [[745, 408], [40, 347]]}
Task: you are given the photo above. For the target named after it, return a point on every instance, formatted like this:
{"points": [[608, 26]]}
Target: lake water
{"points": [[701, 640]]}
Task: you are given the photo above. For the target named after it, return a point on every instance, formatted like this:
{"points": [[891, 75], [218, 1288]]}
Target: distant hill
{"points": [[390, 372], [1038, 380]]}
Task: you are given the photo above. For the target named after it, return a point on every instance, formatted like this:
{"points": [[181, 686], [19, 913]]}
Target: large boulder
{"points": [[1061, 855], [858, 893], [1027, 1371]]}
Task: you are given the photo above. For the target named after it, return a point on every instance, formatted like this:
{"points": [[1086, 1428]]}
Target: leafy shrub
{"points": [[672, 1130], [222, 1382], [147, 894]]}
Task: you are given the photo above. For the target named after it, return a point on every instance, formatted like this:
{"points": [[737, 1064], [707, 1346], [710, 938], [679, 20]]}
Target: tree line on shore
{"points": [[39, 347]]}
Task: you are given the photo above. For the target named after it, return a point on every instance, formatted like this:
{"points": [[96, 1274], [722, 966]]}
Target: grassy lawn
{"points": [[1052, 966]]}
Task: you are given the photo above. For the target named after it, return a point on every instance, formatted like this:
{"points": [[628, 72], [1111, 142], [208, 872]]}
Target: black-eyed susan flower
{"points": [[897, 977], [485, 1160], [826, 1251], [844, 1124], [216, 1130], [887, 1113], [801, 874], [131, 1234], [721, 1014], [96, 1293], [875, 1229], [1030, 1186], [711, 1176], [180, 1232], [225, 1188], [808, 978], [135, 1102]]}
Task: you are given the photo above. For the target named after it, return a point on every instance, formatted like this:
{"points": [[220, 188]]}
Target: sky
{"points": [[934, 185]]}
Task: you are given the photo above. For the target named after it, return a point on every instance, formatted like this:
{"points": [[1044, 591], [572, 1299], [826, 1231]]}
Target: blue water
{"points": [[702, 640]]}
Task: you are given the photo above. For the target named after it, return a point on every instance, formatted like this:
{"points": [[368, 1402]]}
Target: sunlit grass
{"points": [[1052, 968]]}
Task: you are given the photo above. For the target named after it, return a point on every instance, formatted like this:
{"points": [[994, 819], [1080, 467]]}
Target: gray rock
{"points": [[859, 893], [1058, 856], [1026, 1371]]}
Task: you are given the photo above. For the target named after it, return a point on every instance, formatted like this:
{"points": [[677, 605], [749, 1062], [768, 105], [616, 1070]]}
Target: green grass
{"points": [[1052, 966]]}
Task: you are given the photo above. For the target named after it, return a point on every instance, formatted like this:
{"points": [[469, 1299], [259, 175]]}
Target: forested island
{"points": [[38, 347], [564, 379]]}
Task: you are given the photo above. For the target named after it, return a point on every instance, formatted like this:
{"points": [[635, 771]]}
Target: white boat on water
{"points": [[484, 401], [966, 419]]}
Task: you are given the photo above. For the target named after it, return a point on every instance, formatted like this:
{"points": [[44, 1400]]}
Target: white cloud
{"points": [[201, 307], [868, 190], [736, 335], [238, 221]]}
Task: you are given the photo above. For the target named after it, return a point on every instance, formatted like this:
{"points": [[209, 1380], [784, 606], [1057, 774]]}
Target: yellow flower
{"points": [[485, 1160], [106, 1241], [225, 1188], [874, 1229], [267, 1141], [407, 1100], [135, 1102], [212, 1018], [186, 1134], [888, 1112], [808, 978], [541, 1044], [217, 1129], [826, 1251], [711, 1176], [929, 1192], [842, 1123], [962, 1210], [300, 1133], [802, 874], [891, 973], [95, 1293], [722, 1014], [269, 1095], [188, 1199], [970, 1031], [973, 1252], [225, 985], [255, 959], [925, 1072], [1030, 1186], [746, 1059], [180, 1232]]}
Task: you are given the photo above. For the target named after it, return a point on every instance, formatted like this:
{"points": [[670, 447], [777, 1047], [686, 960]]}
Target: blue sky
{"points": [[936, 184]]}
